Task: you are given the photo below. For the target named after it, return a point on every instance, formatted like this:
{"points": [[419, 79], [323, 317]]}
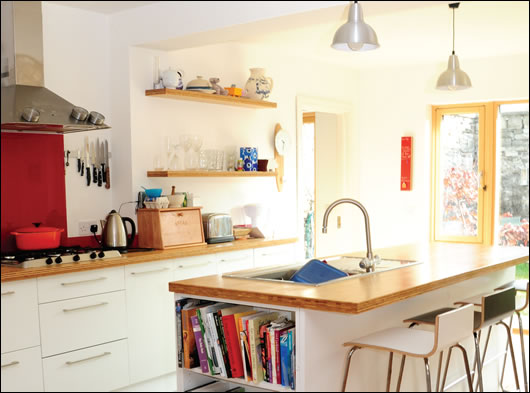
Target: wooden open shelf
{"points": [[210, 174], [210, 98]]}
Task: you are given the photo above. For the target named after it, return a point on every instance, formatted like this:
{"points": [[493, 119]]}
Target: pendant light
{"points": [[453, 78], [355, 35]]}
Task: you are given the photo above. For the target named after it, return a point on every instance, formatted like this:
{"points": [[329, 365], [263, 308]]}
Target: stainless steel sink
{"points": [[348, 264]]}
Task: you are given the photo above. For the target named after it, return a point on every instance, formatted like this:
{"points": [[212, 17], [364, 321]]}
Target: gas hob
{"points": [[56, 256]]}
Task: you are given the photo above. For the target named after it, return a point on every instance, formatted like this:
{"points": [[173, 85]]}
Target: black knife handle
{"points": [[95, 175], [87, 175], [100, 178], [83, 168], [78, 165], [103, 173]]}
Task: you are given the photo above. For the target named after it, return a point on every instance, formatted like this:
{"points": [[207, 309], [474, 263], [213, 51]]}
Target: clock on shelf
{"points": [[281, 146]]}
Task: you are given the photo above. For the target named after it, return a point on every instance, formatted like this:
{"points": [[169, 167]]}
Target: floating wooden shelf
{"points": [[210, 98], [209, 174]]}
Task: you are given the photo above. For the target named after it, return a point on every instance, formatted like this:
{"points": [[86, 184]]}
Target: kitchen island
{"points": [[329, 315]]}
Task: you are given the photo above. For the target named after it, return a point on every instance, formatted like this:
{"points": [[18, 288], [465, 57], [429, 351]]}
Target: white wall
{"points": [[76, 67], [396, 102]]}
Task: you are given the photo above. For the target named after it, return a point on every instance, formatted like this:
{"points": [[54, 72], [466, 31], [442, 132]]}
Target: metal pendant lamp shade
{"points": [[355, 34], [453, 78]]}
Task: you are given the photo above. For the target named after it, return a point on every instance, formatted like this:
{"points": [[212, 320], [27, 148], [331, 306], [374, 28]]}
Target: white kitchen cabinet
{"points": [[234, 261], [20, 315], [68, 286], [150, 320], [22, 370], [275, 255], [202, 265], [94, 369], [78, 323]]}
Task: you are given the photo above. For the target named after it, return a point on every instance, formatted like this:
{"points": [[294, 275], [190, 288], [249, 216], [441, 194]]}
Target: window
{"points": [[473, 145]]}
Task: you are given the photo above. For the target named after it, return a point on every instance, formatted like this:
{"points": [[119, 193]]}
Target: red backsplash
{"points": [[33, 186]]}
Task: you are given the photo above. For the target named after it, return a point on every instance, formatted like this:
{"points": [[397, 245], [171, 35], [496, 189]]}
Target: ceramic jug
{"points": [[173, 79], [258, 85]]}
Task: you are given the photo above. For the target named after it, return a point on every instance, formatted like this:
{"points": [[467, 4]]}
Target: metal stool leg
{"points": [[478, 362], [485, 350], [440, 361], [401, 373], [389, 373], [347, 371], [512, 353], [427, 374], [521, 335], [446, 368], [505, 357], [466, 364]]}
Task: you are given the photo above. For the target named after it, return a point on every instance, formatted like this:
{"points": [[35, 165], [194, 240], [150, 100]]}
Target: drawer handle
{"points": [[8, 293], [234, 260], [150, 271], [64, 284], [191, 266], [11, 364], [84, 307], [69, 363]]}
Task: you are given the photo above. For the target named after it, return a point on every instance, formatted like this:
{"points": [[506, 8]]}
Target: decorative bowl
{"points": [[198, 83]]}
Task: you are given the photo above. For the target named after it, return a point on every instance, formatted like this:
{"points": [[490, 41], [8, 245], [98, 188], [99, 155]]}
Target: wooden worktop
{"points": [[443, 264], [10, 273]]}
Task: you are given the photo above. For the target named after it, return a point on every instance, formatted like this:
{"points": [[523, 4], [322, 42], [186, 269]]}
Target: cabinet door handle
{"points": [[14, 363], [64, 284], [69, 363], [84, 307], [234, 260], [150, 271], [8, 293], [191, 266]]}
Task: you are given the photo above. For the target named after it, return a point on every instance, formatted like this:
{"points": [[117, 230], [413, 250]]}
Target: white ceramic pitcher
{"points": [[258, 85]]}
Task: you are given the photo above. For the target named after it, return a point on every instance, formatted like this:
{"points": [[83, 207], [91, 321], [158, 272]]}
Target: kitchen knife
{"points": [[82, 162], [93, 158], [99, 157], [78, 161], [87, 162], [103, 161], [107, 167]]}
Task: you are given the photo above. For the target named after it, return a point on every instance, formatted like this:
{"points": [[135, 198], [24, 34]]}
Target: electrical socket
{"points": [[84, 227]]}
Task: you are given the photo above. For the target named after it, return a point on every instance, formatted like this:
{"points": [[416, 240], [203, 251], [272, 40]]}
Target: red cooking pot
{"points": [[37, 237]]}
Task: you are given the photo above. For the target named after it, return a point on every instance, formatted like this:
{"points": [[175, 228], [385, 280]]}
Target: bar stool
{"points": [[520, 286], [495, 307], [449, 328]]}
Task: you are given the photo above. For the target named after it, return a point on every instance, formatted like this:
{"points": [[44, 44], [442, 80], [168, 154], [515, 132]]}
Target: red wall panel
{"points": [[33, 185]]}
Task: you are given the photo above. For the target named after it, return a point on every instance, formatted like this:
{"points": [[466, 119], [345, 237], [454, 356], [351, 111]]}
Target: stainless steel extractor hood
{"points": [[27, 105]]}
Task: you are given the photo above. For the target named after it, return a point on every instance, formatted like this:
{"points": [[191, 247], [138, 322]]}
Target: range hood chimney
{"points": [[26, 104]]}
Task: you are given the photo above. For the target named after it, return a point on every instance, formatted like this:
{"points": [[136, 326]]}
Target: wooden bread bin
{"points": [[170, 228]]}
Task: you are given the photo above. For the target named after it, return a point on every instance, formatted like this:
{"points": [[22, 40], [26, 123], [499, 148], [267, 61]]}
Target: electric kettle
{"points": [[114, 234]]}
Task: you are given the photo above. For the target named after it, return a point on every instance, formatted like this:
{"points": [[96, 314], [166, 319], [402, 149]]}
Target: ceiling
{"points": [[409, 32], [104, 7]]}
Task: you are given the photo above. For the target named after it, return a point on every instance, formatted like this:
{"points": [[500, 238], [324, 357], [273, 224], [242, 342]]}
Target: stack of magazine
{"points": [[236, 341]]}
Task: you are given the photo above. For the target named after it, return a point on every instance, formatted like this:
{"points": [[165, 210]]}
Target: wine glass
{"points": [[185, 142], [196, 143]]}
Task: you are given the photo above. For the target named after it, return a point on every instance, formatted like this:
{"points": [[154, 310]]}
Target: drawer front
{"points": [[69, 286], [203, 265], [276, 255], [77, 323], [22, 371], [100, 368], [233, 261], [20, 315]]}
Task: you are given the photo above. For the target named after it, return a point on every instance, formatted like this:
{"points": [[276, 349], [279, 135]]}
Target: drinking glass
{"points": [[196, 143], [185, 142], [219, 160]]}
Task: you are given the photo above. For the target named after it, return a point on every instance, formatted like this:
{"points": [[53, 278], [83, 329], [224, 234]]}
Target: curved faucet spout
{"points": [[369, 264]]}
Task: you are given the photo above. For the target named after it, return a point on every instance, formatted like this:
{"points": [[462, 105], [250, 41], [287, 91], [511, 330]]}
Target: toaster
{"points": [[217, 227]]}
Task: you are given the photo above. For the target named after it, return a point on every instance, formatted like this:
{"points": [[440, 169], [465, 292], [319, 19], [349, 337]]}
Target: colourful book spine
{"points": [[190, 355], [272, 335], [269, 357], [232, 344], [263, 352], [199, 343], [285, 358], [222, 342], [290, 341], [209, 355]]}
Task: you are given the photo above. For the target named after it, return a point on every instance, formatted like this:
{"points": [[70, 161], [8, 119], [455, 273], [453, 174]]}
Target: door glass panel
{"points": [[459, 176], [512, 175]]}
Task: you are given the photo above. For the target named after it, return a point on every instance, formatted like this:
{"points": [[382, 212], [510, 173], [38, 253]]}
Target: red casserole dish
{"points": [[37, 237]]}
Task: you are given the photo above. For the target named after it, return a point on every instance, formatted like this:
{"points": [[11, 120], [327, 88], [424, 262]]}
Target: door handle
{"points": [[69, 363], [84, 307]]}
